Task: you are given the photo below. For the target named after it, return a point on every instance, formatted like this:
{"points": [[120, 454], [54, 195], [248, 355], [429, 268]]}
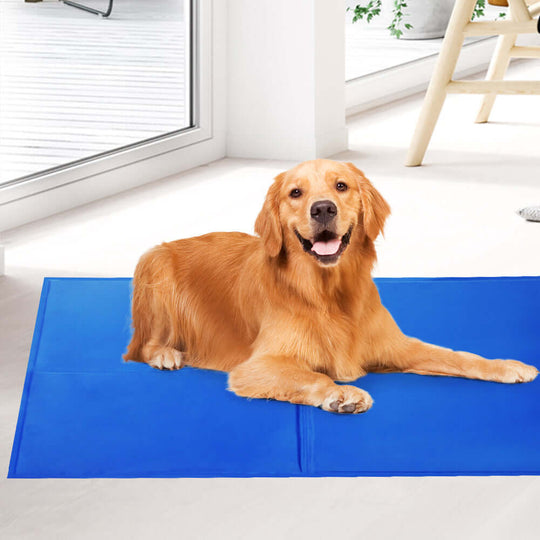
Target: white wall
{"points": [[286, 72]]}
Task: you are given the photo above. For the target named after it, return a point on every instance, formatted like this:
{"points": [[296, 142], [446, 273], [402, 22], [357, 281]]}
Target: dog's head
{"points": [[316, 207]]}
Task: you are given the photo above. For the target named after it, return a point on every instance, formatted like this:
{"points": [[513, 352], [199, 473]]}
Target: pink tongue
{"points": [[326, 248]]}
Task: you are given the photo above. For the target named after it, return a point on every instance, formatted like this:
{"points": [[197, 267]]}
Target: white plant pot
{"points": [[429, 18]]}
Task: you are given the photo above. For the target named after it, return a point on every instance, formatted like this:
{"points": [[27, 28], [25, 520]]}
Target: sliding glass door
{"points": [[76, 86]]}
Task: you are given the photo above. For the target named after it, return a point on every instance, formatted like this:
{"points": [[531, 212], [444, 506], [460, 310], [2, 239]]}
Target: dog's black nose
{"points": [[323, 211]]}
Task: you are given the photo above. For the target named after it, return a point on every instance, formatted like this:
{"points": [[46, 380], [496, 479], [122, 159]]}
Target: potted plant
{"points": [[413, 19]]}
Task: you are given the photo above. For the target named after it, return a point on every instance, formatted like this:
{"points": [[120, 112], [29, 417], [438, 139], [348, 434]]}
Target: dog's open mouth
{"points": [[326, 246]]}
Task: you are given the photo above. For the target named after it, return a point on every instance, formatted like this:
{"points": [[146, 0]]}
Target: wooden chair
{"points": [[521, 21]]}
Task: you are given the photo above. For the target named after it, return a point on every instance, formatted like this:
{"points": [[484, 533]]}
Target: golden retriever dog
{"points": [[293, 310]]}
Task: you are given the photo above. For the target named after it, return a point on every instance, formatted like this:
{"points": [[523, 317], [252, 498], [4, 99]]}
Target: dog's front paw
{"points": [[347, 399], [166, 358], [513, 371]]}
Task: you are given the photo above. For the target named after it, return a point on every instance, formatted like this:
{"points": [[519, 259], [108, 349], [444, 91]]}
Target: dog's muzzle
{"points": [[326, 246]]}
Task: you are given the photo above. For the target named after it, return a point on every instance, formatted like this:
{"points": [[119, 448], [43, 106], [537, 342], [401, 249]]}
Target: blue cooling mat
{"points": [[86, 413]]}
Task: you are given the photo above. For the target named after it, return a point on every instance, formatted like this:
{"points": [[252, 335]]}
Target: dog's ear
{"points": [[374, 209], [268, 225]]}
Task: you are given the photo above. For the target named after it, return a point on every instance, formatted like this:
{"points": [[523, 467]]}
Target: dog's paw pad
{"points": [[349, 408], [334, 406], [166, 358], [347, 400]]}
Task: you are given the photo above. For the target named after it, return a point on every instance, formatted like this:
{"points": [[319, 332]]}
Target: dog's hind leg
{"points": [[159, 351], [281, 378], [156, 351], [162, 357], [155, 339]]}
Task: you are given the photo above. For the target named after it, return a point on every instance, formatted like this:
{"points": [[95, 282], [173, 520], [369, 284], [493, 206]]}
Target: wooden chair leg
{"points": [[436, 93], [497, 69], [501, 58], [519, 10]]}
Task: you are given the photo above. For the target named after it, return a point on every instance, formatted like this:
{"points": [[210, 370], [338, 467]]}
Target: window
{"points": [[81, 94]]}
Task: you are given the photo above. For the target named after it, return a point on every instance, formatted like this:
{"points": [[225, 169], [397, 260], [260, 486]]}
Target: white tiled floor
{"points": [[454, 216]]}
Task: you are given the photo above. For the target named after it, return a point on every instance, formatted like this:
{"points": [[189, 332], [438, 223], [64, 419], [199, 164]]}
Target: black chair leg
{"points": [[89, 9]]}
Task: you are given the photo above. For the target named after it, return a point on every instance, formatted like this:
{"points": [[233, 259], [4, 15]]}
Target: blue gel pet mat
{"points": [[86, 413]]}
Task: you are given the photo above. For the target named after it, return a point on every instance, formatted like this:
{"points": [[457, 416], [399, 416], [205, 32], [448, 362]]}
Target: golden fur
{"points": [[284, 321]]}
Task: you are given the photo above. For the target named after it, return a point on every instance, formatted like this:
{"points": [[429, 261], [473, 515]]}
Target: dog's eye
{"points": [[295, 193], [342, 186]]}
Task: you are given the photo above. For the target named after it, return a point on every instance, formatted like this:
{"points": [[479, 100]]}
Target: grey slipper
{"points": [[530, 213]]}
